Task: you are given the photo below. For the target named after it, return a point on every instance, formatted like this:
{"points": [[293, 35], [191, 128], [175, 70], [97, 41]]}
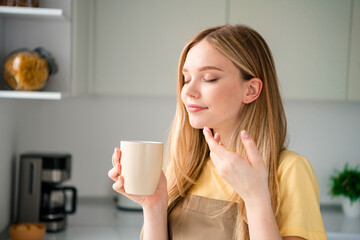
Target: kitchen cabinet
{"points": [[137, 44], [110, 47], [354, 58], [309, 41], [54, 27]]}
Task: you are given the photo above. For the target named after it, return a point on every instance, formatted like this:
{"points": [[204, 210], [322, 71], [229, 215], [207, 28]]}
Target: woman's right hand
{"points": [[159, 198]]}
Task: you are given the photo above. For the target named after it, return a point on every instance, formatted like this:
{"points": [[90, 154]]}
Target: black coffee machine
{"points": [[42, 198]]}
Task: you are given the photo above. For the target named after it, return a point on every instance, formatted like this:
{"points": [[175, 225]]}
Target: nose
{"points": [[191, 89]]}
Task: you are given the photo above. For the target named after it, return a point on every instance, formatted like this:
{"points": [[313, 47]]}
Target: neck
{"points": [[225, 135]]}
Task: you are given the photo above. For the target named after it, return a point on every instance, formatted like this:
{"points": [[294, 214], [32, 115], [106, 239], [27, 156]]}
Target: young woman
{"points": [[228, 173]]}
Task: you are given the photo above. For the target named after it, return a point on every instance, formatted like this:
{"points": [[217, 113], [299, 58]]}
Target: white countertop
{"points": [[338, 226], [100, 219]]}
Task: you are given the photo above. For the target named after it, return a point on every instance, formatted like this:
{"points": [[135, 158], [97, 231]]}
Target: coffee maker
{"points": [[41, 196]]}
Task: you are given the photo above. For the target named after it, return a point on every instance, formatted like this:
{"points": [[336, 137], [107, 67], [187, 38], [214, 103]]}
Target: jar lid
{"points": [[44, 53]]}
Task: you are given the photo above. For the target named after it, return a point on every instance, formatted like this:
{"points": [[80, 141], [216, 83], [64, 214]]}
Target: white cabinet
{"points": [[354, 64], [51, 27], [112, 47], [309, 41], [137, 44]]}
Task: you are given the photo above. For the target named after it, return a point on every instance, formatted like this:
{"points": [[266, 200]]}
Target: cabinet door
{"points": [[137, 44], [309, 42], [354, 65]]}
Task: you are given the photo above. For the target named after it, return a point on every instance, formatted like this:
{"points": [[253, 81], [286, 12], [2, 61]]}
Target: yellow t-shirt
{"points": [[299, 192]]}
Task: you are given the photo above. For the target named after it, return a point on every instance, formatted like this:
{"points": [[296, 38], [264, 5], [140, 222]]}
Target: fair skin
{"points": [[214, 94], [154, 206]]}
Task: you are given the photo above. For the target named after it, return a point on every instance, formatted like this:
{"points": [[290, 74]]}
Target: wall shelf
{"points": [[49, 26], [32, 12], [30, 95]]}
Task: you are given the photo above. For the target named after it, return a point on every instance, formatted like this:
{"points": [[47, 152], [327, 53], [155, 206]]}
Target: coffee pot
{"points": [[54, 204], [42, 198]]}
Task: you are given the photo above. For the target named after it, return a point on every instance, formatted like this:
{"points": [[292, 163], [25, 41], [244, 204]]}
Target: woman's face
{"points": [[213, 88]]}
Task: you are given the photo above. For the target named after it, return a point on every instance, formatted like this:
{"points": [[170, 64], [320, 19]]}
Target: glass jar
{"points": [[26, 70]]}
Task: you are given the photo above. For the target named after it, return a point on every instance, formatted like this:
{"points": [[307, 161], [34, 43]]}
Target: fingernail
{"points": [[114, 149], [244, 134], [118, 178]]}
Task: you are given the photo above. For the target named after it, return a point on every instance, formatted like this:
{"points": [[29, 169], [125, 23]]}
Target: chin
{"points": [[197, 124]]}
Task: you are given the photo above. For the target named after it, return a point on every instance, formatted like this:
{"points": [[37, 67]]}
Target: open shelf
{"points": [[32, 12], [59, 30], [54, 20], [30, 95]]}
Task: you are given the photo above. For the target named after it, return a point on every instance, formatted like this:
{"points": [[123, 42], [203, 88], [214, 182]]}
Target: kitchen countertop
{"points": [[337, 226], [100, 219]]}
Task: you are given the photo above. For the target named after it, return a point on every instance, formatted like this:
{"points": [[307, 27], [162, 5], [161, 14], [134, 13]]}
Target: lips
{"points": [[192, 108]]}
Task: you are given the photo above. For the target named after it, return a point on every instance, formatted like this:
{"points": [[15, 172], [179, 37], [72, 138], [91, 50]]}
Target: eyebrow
{"points": [[204, 68]]}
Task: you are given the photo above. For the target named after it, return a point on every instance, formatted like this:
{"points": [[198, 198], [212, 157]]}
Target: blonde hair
{"points": [[264, 119]]}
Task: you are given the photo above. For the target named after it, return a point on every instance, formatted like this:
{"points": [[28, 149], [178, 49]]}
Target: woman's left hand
{"points": [[248, 177]]}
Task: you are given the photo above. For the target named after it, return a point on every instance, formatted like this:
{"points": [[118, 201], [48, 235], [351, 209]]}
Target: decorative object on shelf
{"points": [[26, 70], [347, 184], [20, 3]]}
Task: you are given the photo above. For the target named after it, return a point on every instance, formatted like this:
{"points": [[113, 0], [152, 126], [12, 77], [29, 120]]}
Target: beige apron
{"points": [[202, 218]]}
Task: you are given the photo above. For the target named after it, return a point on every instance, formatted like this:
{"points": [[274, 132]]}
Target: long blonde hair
{"points": [[264, 119]]}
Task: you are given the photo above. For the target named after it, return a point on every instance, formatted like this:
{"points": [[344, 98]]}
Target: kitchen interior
{"points": [[116, 80]]}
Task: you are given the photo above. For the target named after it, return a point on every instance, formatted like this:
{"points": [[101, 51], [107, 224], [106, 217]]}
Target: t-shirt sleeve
{"points": [[299, 199]]}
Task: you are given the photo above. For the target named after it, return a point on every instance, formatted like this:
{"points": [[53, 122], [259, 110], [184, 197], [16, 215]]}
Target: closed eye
{"points": [[211, 80]]}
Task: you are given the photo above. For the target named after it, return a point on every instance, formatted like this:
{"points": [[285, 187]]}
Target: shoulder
{"points": [[299, 213], [294, 164], [290, 159]]}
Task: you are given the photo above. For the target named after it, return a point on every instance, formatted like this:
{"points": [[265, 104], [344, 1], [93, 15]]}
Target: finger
{"points": [[250, 147], [115, 172], [116, 156], [217, 137], [213, 143], [119, 185]]}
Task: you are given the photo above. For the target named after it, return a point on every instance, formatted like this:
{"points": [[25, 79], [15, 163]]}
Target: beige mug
{"points": [[141, 165]]}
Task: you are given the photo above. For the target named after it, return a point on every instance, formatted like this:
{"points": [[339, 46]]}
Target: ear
{"points": [[254, 87]]}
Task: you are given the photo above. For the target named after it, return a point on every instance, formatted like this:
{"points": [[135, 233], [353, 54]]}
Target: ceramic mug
{"points": [[141, 165]]}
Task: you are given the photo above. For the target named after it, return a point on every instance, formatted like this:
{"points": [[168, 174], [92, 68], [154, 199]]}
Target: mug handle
{"points": [[74, 199]]}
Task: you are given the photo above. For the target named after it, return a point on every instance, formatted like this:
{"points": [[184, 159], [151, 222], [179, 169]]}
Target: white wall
{"points": [[89, 128], [327, 133]]}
